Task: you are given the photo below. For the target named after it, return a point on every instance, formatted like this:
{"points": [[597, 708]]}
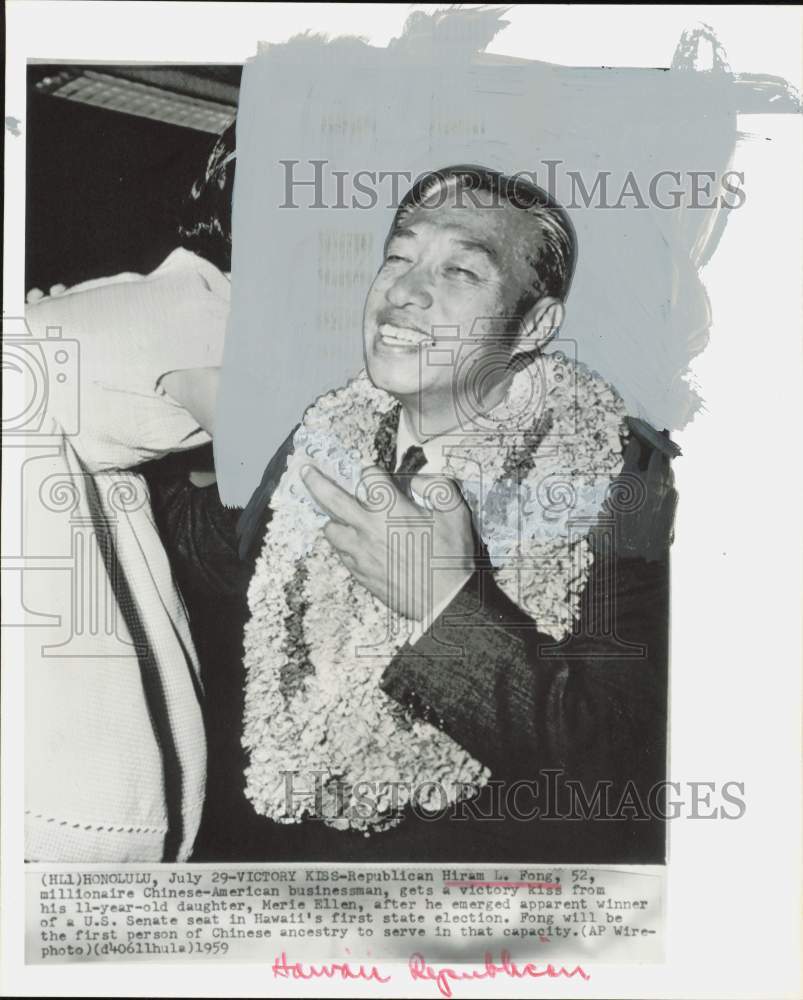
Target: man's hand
{"points": [[412, 559]]}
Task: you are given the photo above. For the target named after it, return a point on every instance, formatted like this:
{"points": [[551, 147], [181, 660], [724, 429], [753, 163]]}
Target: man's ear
{"points": [[541, 324]]}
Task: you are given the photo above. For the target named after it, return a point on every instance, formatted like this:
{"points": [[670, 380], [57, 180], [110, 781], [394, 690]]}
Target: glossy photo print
{"points": [[393, 416], [417, 608]]}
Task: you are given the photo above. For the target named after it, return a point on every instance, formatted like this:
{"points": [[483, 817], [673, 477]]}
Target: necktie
{"points": [[412, 462]]}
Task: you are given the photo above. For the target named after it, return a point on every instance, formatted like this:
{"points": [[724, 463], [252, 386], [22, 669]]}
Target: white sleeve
{"points": [[418, 629], [125, 333]]}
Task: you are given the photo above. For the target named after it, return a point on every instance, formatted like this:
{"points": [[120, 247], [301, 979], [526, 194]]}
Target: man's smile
{"points": [[405, 337]]}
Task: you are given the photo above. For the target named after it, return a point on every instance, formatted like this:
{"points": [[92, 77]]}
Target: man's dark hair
{"points": [[552, 263], [205, 222]]}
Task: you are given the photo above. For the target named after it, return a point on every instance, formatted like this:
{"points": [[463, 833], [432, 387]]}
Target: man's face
{"points": [[446, 268]]}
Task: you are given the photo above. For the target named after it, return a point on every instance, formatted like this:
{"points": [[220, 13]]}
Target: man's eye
{"points": [[393, 258], [463, 272]]}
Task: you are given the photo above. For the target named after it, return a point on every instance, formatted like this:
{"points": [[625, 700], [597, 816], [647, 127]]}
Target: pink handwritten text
{"points": [[282, 969], [443, 976]]}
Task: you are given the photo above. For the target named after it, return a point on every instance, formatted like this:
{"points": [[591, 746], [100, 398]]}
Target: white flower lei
{"points": [[547, 454]]}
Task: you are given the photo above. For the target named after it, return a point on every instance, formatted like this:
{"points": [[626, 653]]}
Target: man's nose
{"points": [[410, 289]]}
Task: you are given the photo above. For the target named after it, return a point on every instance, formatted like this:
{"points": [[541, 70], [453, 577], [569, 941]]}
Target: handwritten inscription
{"points": [[283, 969], [442, 976]]}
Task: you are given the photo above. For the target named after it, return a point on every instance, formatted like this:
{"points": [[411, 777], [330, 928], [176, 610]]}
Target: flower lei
{"points": [[317, 642]]}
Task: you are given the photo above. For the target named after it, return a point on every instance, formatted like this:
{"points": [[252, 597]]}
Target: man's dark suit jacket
{"points": [[575, 730]]}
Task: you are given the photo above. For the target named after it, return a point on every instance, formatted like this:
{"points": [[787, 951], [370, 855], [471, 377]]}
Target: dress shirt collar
{"points": [[433, 447]]}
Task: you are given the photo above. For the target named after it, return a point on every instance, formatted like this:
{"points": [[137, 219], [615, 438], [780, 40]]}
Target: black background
{"points": [[103, 189]]}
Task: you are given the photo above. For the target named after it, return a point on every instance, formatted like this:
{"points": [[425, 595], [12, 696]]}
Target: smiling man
{"points": [[465, 607], [454, 261], [460, 293]]}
